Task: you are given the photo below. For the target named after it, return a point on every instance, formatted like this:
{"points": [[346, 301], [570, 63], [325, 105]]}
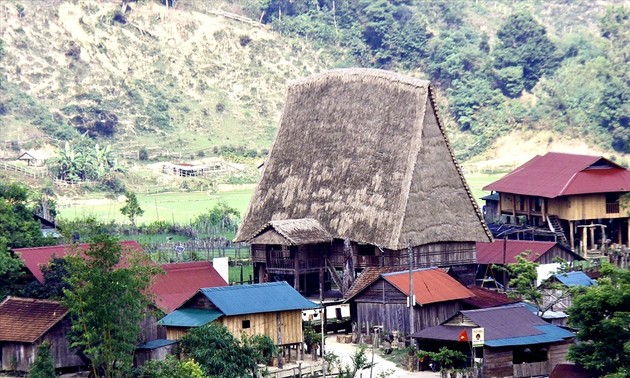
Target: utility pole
{"points": [[411, 296]]}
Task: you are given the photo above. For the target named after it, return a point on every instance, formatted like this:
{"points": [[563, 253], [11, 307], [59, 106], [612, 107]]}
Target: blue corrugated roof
{"points": [[190, 317], [550, 334], [575, 279], [156, 344], [257, 298]]}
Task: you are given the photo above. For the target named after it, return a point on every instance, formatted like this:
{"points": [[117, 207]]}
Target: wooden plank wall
{"points": [[60, 346], [395, 316], [531, 369], [497, 362], [266, 324], [20, 356], [558, 354]]}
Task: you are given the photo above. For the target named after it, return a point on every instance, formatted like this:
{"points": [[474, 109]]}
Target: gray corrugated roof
{"points": [[257, 298], [190, 317]]}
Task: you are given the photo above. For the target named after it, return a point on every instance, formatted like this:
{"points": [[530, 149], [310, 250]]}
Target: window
{"points": [[366, 250], [529, 353], [246, 324]]}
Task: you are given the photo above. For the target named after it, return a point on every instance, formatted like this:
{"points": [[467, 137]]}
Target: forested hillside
{"points": [[201, 78], [503, 65]]}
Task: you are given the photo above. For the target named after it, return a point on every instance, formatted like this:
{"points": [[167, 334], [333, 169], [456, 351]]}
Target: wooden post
{"points": [[279, 333], [296, 267], [411, 296], [584, 242], [628, 234], [592, 232], [571, 235]]}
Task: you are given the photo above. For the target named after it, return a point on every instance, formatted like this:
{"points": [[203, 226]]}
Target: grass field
{"points": [[183, 207]]}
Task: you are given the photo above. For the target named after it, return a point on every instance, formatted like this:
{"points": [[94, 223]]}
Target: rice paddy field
{"points": [[184, 207]]}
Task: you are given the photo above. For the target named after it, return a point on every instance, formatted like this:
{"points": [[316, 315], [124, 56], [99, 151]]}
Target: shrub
{"points": [[43, 366], [244, 40], [143, 154]]}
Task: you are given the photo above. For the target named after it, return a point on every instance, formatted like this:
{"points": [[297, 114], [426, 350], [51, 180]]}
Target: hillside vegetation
{"points": [[184, 80]]}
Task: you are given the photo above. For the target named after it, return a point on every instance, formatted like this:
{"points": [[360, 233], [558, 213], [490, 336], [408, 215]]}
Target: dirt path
{"points": [[345, 351]]}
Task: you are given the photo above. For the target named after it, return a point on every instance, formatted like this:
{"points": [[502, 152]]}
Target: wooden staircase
{"points": [[556, 227]]}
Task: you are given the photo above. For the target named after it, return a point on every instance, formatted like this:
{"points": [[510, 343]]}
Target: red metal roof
{"points": [[183, 280], [485, 298], [558, 174], [35, 258], [26, 319], [492, 253], [429, 285]]}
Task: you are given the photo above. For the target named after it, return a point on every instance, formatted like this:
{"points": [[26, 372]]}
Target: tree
{"points": [[132, 208], [523, 42], [55, 276], [10, 267], [170, 367], [218, 219], [523, 282], [107, 299], [602, 315], [18, 228], [219, 353], [43, 366]]}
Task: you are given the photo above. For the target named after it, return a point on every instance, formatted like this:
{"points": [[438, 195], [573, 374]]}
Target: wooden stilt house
{"points": [[360, 174], [577, 197]]}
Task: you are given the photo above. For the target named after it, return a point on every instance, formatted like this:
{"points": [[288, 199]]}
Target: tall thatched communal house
{"points": [[360, 174]]}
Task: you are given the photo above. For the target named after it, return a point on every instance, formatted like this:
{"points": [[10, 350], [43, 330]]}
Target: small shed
{"points": [[155, 350], [560, 299], [24, 324], [32, 159], [502, 252], [273, 309], [380, 298], [517, 343]]}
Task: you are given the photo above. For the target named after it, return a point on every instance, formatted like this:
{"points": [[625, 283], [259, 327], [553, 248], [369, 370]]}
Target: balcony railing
{"points": [[612, 208]]}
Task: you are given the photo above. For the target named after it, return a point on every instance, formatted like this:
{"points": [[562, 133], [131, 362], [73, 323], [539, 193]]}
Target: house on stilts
{"points": [[361, 174]]}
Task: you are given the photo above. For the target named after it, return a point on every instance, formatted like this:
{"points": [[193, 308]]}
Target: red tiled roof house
{"points": [[576, 196], [24, 324], [179, 282]]}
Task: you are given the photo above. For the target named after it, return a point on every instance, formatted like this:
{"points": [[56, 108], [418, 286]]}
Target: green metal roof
{"points": [[190, 317]]}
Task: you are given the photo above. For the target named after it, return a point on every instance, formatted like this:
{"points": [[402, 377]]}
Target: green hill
{"points": [[208, 78]]}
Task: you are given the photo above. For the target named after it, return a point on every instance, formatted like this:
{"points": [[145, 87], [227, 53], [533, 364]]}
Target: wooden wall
{"points": [[259, 324], [577, 207], [157, 354], [558, 354], [497, 362], [176, 333], [382, 304], [267, 324], [20, 356], [556, 252]]}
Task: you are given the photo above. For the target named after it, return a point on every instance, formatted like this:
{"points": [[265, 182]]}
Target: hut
{"points": [[273, 309], [25, 323], [578, 197], [361, 174], [557, 290], [516, 342], [381, 299], [503, 252]]}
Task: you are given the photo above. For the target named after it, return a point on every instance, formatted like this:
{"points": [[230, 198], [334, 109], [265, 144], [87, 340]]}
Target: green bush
{"points": [[43, 366]]}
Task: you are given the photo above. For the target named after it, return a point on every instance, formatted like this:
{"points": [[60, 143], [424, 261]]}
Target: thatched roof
{"points": [[363, 152], [292, 232]]}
